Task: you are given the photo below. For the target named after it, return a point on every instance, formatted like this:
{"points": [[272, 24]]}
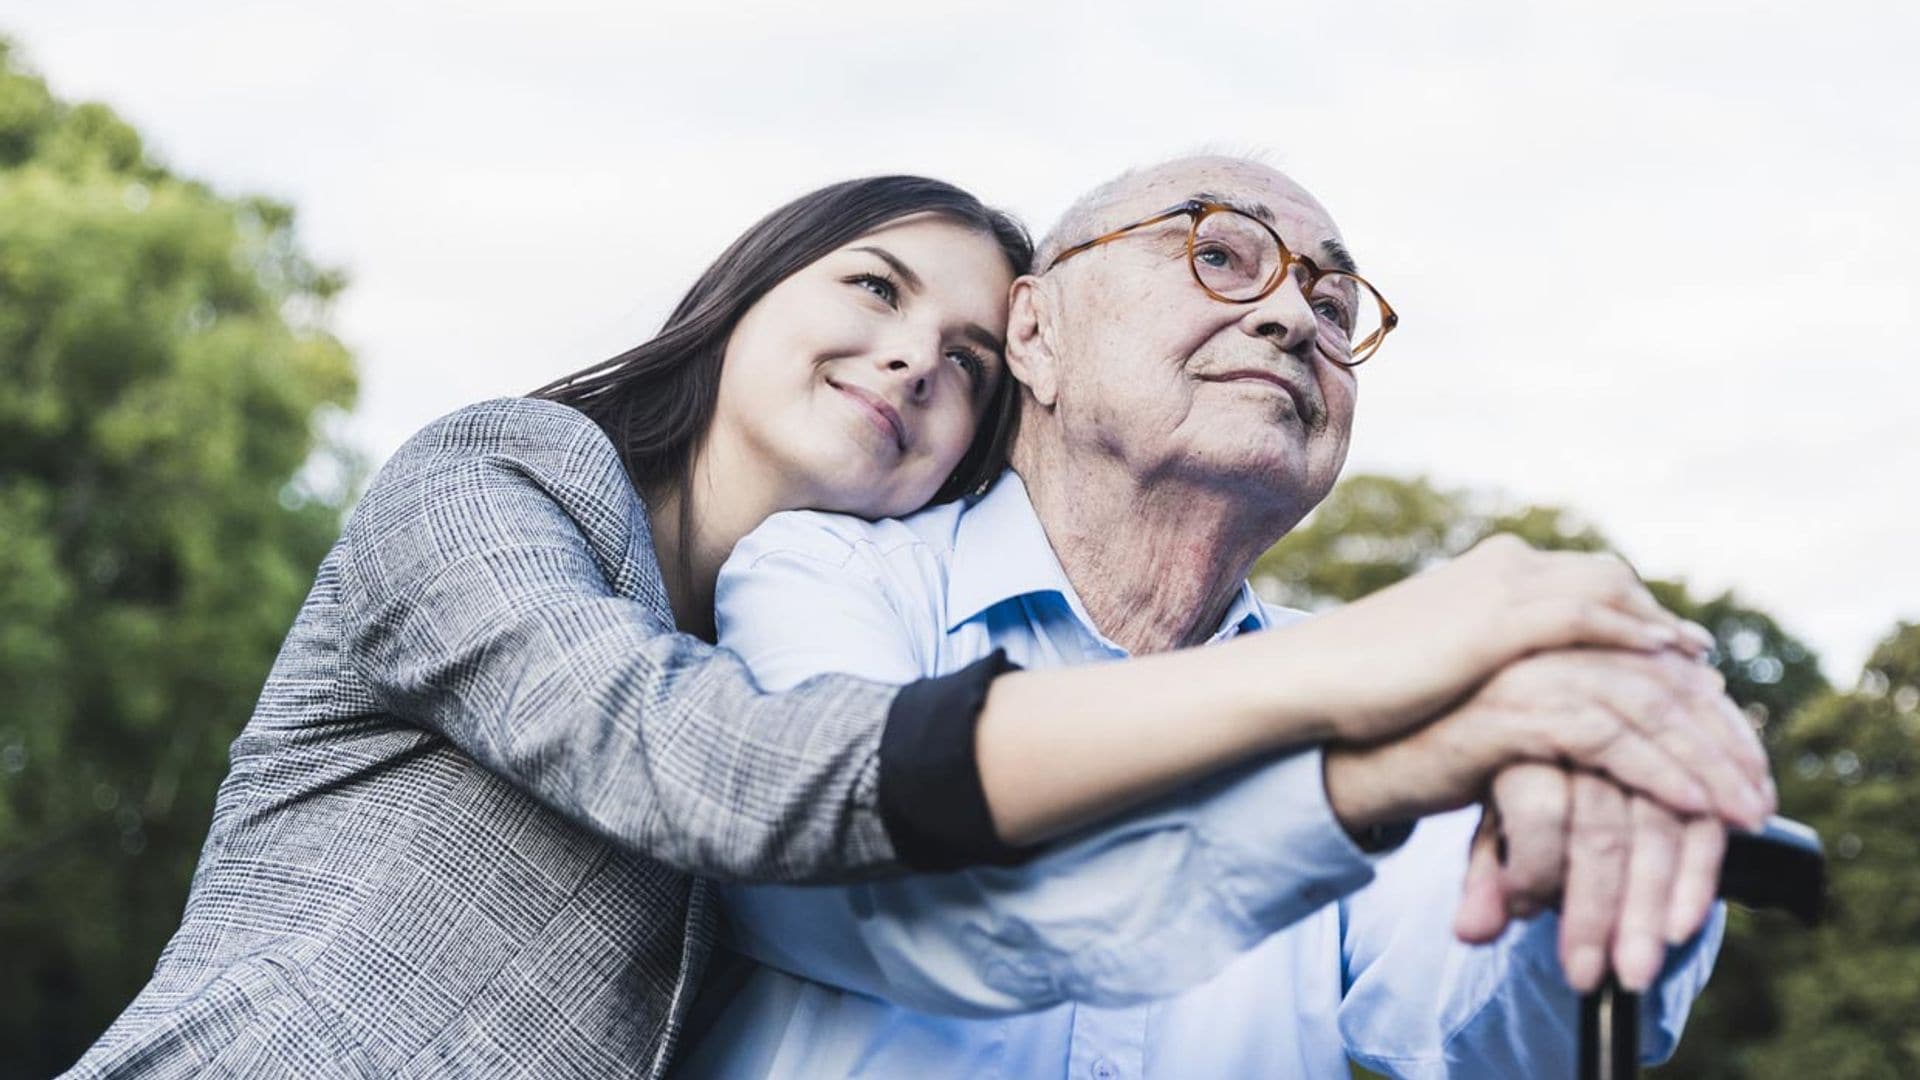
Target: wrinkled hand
{"points": [[1658, 725], [1399, 656], [1628, 875]]}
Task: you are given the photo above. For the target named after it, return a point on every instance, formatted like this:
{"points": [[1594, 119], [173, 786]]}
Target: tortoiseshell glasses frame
{"points": [[1198, 211]]}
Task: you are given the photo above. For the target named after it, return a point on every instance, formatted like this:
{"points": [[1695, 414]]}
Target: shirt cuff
{"points": [[931, 800], [1382, 839], [1278, 849]]}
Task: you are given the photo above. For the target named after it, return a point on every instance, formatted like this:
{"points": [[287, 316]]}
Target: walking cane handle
{"points": [[1781, 867]]}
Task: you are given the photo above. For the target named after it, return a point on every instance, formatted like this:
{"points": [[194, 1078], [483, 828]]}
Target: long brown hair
{"points": [[656, 400]]}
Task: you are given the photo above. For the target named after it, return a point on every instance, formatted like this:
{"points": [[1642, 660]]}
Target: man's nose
{"points": [[1283, 317]]}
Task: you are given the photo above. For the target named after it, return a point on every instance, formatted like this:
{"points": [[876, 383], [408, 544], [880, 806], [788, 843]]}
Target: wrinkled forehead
{"points": [[1259, 190]]}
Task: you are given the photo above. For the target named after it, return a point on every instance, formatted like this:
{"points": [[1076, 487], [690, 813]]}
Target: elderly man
{"points": [[1187, 397]]}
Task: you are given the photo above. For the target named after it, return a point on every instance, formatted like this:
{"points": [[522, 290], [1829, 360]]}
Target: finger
{"points": [[1483, 911], [1685, 733], [1632, 759], [1531, 799], [1703, 845], [1653, 857], [1748, 747], [1744, 744], [1707, 733], [1701, 638], [1632, 597], [1730, 727], [1561, 621], [1642, 724], [1596, 874], [1562, 599], [1619, 584]]}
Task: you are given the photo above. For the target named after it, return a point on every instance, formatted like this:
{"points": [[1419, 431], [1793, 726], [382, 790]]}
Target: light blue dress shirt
{"points": [[1232, 931]]}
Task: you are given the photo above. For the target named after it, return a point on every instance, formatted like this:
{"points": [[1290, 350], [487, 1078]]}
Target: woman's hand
{"points": [[1392, 660], [1658, 725]]}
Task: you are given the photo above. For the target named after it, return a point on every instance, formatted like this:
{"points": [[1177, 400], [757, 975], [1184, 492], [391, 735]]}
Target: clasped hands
{"points": [[1554, 689]]}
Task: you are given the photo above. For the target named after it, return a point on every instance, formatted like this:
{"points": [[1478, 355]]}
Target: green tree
{"points": [[168, 484], [1839, 1002], [1375, 530]]}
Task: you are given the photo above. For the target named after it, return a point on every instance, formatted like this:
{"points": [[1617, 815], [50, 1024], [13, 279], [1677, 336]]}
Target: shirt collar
{"points": [[1001, 553]]}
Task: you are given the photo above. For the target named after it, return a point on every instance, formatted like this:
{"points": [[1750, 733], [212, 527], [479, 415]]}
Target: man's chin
{"points": [[1264, 468]]}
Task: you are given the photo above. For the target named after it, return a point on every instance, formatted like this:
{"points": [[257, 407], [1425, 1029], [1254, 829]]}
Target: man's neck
{"points": [[1156, 565]]}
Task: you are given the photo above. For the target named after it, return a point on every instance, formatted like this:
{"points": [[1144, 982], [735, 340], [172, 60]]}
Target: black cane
{"points": [[1781, 867]]}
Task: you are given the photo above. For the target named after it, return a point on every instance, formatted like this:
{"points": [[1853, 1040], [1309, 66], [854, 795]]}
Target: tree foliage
{"points": [[167, 486], [1375, 530], [1784, 1003], [1839, 1002], [168, 483]]}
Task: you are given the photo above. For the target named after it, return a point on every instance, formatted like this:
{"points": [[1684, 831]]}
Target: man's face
{"points": [[1154, 371]]}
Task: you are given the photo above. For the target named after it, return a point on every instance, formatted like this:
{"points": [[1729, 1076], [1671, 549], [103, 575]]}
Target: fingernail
{"points": [[1639, 961], [1584, 967]]}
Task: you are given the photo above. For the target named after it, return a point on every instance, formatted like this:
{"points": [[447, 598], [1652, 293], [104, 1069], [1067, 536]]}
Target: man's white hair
{"points": [[1087, 216]]}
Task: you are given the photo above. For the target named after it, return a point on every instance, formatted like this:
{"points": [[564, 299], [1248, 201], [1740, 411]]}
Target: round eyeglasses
{"points": [[1239, 259]]}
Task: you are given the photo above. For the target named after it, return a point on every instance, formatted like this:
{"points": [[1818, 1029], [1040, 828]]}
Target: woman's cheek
{"points": [[955, 445]]}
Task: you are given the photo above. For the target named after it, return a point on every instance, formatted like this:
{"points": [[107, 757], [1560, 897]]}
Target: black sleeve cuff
{"points": [[931, 801], [1380, 839]]}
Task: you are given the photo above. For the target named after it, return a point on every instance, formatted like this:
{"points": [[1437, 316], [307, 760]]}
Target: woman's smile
{"points": [[882, 415]]}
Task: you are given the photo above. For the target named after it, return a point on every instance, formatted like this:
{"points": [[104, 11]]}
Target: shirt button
{"points": [[1104, 1070]]}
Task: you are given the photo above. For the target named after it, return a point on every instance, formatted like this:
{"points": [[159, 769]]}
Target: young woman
{"points": [[464, 830]]}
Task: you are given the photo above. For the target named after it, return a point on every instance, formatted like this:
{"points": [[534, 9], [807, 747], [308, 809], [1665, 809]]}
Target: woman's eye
{"points": [[971, 363], [879, 286], [1216, 257]]}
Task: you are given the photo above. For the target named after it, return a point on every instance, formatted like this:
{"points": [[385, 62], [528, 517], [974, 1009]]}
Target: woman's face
{"points": [[856, 385]]}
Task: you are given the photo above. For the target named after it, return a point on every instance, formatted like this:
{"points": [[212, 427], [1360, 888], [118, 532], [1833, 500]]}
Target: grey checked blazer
{"points": [[458, 833]]}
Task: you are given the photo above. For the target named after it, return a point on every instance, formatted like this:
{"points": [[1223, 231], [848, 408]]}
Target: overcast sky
{"points": [[1655, 261]]}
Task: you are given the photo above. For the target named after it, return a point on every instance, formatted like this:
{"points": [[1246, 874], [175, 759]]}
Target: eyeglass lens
{"points": [[1238, 259]]}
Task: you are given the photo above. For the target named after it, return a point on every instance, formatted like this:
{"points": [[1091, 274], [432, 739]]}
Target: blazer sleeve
{"points": [[498, 586]]}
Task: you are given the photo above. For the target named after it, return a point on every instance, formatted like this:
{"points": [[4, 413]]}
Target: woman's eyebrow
{"points": [[973, 332], [906, 272], [984, 338]]}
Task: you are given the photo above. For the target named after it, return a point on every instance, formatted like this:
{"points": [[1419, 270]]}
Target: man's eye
{"points": [[1332, 311], [879, 286], [1215, 256]]}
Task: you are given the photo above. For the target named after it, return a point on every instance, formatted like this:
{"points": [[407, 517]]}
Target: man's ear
{"points": [[1030, 356]]}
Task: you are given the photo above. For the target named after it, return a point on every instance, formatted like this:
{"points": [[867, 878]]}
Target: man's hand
{"points": [[1392, 660], [1657, 725], [1636, 877]]}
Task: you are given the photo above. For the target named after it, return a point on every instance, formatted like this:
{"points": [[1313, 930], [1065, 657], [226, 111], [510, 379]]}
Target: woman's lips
{"points": [[885, 418]]}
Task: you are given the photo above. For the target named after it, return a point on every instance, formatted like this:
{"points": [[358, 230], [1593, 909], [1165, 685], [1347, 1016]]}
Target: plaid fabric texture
{"points": [[460, 829]]}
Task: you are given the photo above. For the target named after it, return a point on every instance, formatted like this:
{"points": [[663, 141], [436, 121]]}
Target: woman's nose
{"points": [[915, 371]]}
